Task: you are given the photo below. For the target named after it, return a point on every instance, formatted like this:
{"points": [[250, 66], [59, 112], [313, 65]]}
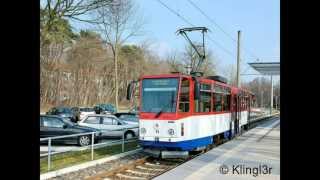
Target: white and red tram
{"points": [[182, 113]]}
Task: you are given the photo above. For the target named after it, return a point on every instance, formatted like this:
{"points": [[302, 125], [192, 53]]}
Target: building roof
{"points": [[266, 68]]}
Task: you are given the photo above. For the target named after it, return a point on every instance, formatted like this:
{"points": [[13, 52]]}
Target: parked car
{"points": [[111, 126], [63, 112], [130, 118], [52, 125], [107, 108], [84, 111]]}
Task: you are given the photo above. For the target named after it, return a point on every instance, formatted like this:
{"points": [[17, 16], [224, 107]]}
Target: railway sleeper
{"points": [[155, 165], [150, 169], [140, 173], [119, 175]]}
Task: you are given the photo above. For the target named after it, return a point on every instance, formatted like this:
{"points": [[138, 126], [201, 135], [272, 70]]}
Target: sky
{"points": [[258, 21]]}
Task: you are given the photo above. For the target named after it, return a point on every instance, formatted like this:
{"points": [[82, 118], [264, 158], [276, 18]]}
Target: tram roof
{"points": [[173, 75]]}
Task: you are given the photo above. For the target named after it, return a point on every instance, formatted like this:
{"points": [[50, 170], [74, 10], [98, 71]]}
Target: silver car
{"points": [[110, 125]]}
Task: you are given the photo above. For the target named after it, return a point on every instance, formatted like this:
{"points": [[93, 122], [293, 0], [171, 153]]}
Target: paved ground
{"points": [[250, 156]]}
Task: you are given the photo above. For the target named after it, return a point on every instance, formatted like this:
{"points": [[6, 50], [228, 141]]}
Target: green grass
{"points": [[67, 159]]}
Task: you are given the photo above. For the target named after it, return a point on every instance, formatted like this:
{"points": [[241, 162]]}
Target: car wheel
{"points": [[84, 140], [128, 135]]}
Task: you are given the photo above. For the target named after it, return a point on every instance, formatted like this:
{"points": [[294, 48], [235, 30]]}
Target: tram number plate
{"points": [[156, 139]]}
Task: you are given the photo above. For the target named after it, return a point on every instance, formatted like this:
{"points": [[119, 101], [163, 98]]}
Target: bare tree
{"points": [[118, 23], [72, 9], [174, 62], [190, 59], [230, 72], [260, 87]]}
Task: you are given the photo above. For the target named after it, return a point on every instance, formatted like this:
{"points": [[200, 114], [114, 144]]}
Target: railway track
{"points": [[148, 167], [142, 169]]}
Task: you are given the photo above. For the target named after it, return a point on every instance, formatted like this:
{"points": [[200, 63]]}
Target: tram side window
{"points": [[247, 100], [242, 103], [184, 104], [226, 102], [217, 102], [245, 103], [205, 98], [205, 101]]}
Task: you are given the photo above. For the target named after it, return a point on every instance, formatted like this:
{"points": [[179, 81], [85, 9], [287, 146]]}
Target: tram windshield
{"points": [[159, 95]]}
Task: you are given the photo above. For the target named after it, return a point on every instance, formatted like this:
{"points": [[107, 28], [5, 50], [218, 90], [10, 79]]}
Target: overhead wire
{"points": [[219, 26], [189, 23], [212, 21]]}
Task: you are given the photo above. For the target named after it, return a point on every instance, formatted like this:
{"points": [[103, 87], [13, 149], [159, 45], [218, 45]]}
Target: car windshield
{"points": [[126, 117], [63, 110], [67, 121], [159, 95], [122, 122]]}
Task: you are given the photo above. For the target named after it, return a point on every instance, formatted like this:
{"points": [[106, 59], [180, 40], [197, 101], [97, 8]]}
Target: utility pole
{"points": [[262, 99], [238, 59], [271, 102], [261, 90]]}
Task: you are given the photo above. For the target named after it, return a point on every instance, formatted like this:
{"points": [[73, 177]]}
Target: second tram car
{"points": [[182, 113]]}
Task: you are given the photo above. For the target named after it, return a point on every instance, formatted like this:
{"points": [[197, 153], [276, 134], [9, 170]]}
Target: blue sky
{"points": [[259, 21]]}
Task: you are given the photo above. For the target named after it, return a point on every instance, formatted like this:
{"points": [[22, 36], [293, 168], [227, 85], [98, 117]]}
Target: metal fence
{"points": [[92, 146]]}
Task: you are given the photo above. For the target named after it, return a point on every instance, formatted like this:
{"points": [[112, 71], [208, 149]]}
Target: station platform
{"points": [[253, 155]]}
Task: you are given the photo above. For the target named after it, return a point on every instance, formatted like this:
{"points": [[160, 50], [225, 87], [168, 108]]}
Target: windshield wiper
{"points": [[172, 101], [158, 113]]}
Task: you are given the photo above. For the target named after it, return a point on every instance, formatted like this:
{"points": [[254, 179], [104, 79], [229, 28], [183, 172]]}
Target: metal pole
{"points": [[49, 154], [123, 141], [271, 102], [238, 59], [92, 142], [262, 99]]}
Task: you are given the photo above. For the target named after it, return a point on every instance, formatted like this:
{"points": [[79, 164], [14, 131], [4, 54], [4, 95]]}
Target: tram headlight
{"points": [[143, 131], [171, 132]]}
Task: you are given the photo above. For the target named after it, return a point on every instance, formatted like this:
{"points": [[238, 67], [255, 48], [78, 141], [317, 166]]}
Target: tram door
{"points": [[235, 114], [239, 102], [249, 110]]}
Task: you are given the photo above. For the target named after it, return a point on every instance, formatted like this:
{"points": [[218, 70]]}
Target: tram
{"points": [[182, 113]]}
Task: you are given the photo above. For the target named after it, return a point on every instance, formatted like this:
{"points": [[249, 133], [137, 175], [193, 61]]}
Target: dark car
{"points": [[63, 112], [131, 118], [51, 126]]}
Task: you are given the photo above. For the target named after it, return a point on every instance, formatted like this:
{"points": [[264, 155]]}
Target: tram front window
{"points": [[159, 95]]}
